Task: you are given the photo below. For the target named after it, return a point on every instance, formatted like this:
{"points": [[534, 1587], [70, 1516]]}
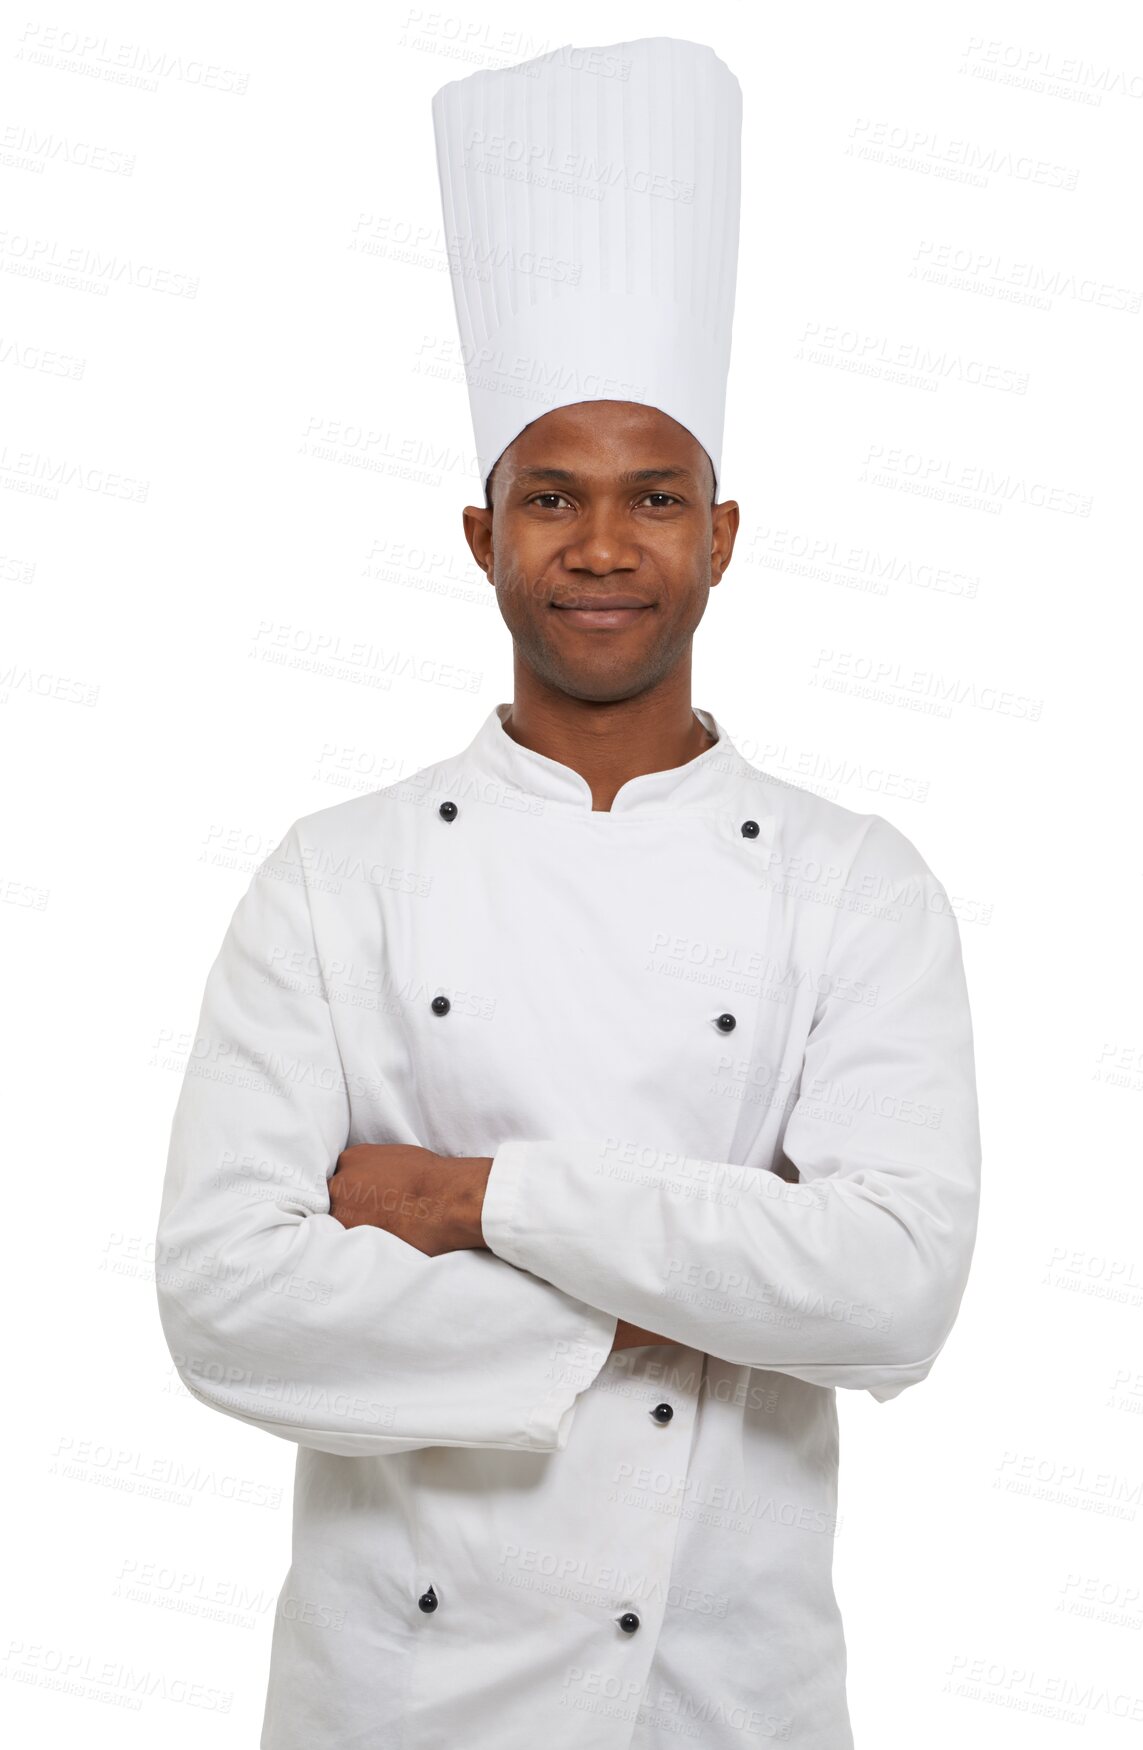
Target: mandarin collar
{"points": [[696, 783]]}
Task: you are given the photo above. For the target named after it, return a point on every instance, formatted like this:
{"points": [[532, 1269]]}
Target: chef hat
{"points": [[591, 209]]}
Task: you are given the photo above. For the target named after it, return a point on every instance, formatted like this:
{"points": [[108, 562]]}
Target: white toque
{"points": [[591, 212]]}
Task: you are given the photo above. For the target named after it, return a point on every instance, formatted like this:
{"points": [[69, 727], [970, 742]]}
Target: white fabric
{"points": [[591, 210], [459, 1421]]}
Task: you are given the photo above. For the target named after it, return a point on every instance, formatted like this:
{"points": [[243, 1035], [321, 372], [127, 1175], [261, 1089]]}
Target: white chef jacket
{"points": [[503, 1535]]}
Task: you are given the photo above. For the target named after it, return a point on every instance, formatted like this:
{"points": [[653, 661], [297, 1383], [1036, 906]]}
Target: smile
{"points": [[602, 618]]}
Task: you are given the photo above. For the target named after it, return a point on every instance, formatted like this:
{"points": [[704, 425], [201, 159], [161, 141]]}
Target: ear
{"points": [[724, 530], [478, 534]]}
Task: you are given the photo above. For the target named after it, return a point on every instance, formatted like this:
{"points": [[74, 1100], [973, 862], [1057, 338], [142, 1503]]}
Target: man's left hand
{"points": [[428, 1200]]}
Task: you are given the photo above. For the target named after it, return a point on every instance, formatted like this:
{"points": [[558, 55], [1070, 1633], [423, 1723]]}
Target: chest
{"points": [[585, 975]]}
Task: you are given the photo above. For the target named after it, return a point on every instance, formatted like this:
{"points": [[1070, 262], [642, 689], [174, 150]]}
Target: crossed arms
{"points": [[430, 1201], [481, 1326]]}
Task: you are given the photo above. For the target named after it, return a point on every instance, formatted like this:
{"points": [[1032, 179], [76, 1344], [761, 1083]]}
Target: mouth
{"points": [[606, 613]]}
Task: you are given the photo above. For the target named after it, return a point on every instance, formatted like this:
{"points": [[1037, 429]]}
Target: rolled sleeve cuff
{"points": [[577, 1361], [501, 1202]]}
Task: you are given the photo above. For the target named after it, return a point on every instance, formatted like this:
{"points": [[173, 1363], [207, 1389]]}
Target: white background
{"points": [[234, 446]]}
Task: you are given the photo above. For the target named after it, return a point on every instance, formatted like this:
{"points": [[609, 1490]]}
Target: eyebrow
{"points": [[634, 477]]}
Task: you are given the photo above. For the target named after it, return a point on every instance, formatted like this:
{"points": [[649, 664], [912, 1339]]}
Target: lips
{"points": [[594, 603], [602, 613]]}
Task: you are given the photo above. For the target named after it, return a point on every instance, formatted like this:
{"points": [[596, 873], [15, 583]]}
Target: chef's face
{"points": [[603, 543]]}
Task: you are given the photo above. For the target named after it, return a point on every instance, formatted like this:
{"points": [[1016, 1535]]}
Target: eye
{"points": [[542, 495], [671, 499]]}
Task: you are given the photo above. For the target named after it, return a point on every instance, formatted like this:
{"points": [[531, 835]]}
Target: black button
{"points": [[662, 1412], [727, 1023], [629, 1622], [749, 827], [441, 1005], [448, 811], [428, 1600]]}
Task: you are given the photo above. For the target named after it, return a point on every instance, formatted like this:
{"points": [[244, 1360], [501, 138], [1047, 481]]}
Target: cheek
{"points": [[521, 585], [682, 561], [686, 602]]}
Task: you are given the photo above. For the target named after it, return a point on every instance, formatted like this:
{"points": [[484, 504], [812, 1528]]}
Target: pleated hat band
{"points": [[591, 202]]}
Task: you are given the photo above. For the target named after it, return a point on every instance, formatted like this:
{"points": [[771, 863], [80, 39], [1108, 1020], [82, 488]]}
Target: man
{"points": [[568, 1122]]}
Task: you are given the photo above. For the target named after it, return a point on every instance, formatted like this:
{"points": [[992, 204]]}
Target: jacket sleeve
{"points": [[346, 1340], [854, 1275]]}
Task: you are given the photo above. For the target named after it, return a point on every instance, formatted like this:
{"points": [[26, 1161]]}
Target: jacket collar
{"points": [[699, 782]]}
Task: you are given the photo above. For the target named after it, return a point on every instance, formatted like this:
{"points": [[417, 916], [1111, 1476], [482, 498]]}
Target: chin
{"points": [[601, 686]]}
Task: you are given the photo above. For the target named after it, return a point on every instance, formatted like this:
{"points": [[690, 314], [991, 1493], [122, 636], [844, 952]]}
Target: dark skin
{"points": [[600, 499]]}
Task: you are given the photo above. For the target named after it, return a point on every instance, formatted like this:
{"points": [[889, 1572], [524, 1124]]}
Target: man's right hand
{"points": [[631, 1336]]}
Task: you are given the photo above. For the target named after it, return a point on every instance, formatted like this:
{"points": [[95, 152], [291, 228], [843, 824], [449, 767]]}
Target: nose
{"points": [[601, 543]]}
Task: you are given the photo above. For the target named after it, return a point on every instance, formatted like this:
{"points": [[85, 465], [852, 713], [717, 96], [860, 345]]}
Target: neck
{"points": [[608, 741]]}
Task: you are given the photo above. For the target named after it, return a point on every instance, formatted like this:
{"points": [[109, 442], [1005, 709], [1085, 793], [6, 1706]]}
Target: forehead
{"points": [[604, 438]]}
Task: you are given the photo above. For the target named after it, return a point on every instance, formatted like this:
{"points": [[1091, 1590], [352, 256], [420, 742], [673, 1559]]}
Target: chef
{"points": [[568, 1122]]}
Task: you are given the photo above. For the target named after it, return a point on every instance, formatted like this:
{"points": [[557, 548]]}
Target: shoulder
{"points": [[365, 820], [824, 840]]}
